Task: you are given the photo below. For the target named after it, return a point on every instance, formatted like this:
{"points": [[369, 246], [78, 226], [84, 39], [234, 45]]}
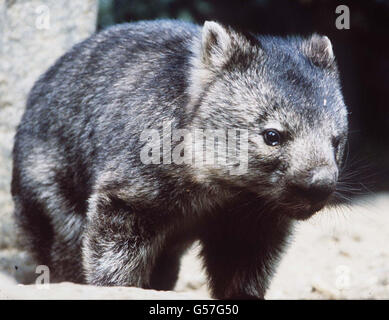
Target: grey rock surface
{"points": [[33, 34]]}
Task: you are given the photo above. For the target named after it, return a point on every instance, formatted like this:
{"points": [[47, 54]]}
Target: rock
{"points": [[33, 34], [18, 264]]}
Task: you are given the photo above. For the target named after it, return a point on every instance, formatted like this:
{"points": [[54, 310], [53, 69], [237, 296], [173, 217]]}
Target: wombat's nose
{"points": [[316, 186]]}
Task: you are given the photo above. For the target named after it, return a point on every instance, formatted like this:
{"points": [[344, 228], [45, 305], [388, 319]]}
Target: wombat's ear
{"points": [[216, 44], [319, 50], [212, 50]]}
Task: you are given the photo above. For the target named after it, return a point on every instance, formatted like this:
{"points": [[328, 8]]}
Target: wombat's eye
{"points": [[272, 137]]}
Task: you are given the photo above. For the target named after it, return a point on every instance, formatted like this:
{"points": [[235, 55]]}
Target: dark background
{"points": [[362, 53]]}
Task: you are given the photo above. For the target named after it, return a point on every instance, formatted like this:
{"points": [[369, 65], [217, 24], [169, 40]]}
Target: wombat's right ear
{"points": [[216, 44], [319, 50]]}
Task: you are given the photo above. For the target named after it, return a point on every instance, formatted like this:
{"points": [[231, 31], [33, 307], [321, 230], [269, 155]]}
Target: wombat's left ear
{"points": [[319, 50]]}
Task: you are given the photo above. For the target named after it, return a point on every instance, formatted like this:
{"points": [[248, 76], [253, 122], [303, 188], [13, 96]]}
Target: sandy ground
{"points": [[339, 254]]}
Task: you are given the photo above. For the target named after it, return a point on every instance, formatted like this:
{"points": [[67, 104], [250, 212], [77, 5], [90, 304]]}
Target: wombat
{"points": [[92, 210]]}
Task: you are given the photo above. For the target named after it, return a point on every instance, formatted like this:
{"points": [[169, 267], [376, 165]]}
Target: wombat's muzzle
{"points": [[314, 190], [314, 194]]}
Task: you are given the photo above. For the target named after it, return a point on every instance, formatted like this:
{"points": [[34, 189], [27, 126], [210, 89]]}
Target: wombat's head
{"points": [[286, 94]]}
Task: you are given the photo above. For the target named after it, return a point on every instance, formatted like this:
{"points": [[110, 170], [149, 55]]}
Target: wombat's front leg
{"points": [[241, 254], [119, 249]]}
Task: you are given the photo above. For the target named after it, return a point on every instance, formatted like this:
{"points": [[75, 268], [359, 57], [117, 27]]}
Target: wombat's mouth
{"points": [[304, 211], [301, 203]]}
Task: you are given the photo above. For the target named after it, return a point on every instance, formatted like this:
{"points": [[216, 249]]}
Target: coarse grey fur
{"points": [[93, 212]]}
